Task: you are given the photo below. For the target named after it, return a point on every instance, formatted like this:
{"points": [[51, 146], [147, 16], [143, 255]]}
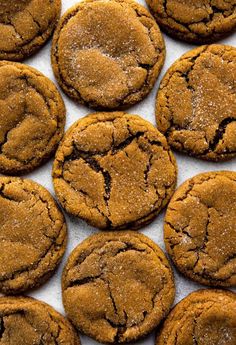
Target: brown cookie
{"points": [[107, 54], [114, 170], [32, 237], [117, 286], [32, 118], [200, 228], [26, 321], [197, 21], [205, 317], [196, 103], [25, 25]]}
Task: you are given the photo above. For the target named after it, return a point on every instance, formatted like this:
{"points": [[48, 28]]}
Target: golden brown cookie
{"points": [[114, 170], [107, 54], [32, 118], [197, 21], [200, 228], [32, 237], [25, 25], [205, 317], [26, 321], [196, 103], [117, 286]]}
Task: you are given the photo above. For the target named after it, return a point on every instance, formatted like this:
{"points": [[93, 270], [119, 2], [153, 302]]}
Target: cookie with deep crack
{"points": [[114, 170], [32, 118], [203, 82], [25, 26], [117, 286], [26, 321], [33, 235], [107, 54], [197, 21], [200, 228]]}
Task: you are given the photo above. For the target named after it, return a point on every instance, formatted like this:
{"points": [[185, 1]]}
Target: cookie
{"points": [[200, 228], [25, 26], [202, 81], [201, 21], [26, 321], [107, 54], [114, 170], [204, 317], [117, 286], [33, 235], [32, 118]]}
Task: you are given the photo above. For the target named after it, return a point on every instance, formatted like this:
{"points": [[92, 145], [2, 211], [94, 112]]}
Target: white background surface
{"points": [[77, 229]]}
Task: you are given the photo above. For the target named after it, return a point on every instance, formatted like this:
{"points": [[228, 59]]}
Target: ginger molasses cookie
{"points": [[117, 286], [107, 54], [114, 170], [32, 237], [26, 321], [25, 26], [197, 21], [196, 103], [205, 317], [200, 228], [32, 118]]}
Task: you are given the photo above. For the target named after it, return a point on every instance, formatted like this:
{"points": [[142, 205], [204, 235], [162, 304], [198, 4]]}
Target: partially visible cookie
{"points": [[200, 228], [26, 321], [32, 118], [196, 103], [117, 286], [25, 25], [199, 21], [33, 235], [107, 54]]}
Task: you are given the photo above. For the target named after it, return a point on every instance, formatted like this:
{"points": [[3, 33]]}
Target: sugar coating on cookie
{"points": [[107, 54], [117, 286], [196, 103]]}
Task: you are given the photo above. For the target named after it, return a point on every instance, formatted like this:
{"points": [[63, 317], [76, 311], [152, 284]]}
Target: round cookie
{"points": [[204, 317], [203, 82], [32, 118], [114, 170], [107, 54], [26, 321], [33, 235], [25, 26], [200, 228], [196, 21], [117, 286]]}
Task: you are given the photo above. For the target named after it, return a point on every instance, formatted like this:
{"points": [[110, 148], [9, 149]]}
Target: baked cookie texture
{"points": [[107, 54], [117, 286], [26, 321], [200, 228], [32, 118], [196, 21], [204, 317], [114, 170], [25, 26], [203, 82], [33, 235]]}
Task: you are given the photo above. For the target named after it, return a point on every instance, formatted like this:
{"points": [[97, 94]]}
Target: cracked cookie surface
{"points": [[197, 21], [114, 170], [203, 81], [107, 54], [205, 317], [26, 321], [200, 230], [32, 237], [25, 26], [32, 118], [117, 286]]}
